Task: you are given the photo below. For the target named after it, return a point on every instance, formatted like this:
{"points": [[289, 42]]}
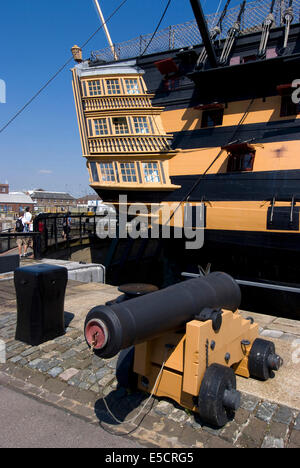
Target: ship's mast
{"points": [[98, 8], [206, 37]]}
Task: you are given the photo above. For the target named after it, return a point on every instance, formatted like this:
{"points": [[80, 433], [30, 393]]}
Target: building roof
{"points": [[87, 198], [43, 195], [16, 197]]}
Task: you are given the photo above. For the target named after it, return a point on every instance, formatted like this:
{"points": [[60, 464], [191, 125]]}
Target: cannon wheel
{"points": [[259, 359], [124, 371], [218, 398]]}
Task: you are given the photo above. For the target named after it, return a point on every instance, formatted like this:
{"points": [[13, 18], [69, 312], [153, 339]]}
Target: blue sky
{"points": [[41, 148]]}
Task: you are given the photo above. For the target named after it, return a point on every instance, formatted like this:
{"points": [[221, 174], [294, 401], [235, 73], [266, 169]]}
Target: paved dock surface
{"points": [[30, 423], [62, 373]]}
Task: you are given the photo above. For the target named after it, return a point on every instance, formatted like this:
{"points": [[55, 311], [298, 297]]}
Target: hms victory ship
{"points": [[206, 113]]}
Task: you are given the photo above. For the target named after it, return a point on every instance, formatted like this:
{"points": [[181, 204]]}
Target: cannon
{"points": [[186, 342]]}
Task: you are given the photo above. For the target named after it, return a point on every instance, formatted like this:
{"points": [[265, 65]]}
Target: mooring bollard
{"points": [[40, 291]]}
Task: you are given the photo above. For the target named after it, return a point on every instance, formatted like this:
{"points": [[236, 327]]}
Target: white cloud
{"points": [[45, 171]]}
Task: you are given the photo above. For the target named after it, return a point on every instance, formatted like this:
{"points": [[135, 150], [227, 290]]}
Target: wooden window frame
{"points": [[88, 82], [91, 172], [114, 172], [148, 125], [92, 126], [288, 108], [114, 127], [218, 120], [126, 87], [158, 170], [106, 87], [137, 172], [238, 156]]}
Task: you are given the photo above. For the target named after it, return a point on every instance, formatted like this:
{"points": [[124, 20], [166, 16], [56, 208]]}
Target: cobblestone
{"points": [[297, 423], [68, 374], [284, 415], [295, 438], [249, 403], [164, 408], [265, 411], [271, 442], [55, 371]]}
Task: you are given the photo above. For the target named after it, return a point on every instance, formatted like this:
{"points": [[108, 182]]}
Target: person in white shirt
{"points": [[27, 218]]}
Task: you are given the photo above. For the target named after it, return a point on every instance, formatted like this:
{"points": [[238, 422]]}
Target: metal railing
{"points": [[54, 234], [7, 240], [187, 34], [50, 233]]}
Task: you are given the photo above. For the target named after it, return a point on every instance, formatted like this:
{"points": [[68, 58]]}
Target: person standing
{"points": [[67, 226], [27, 219], [20, 228]]}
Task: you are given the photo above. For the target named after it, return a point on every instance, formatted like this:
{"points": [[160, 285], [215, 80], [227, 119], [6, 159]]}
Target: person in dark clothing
{"points": [[67, 226]]}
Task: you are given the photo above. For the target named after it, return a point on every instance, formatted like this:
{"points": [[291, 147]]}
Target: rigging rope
{"points": [[4, 127], [157, 27], [288, 17], [232, 34], [216, 31], [267, 25]]}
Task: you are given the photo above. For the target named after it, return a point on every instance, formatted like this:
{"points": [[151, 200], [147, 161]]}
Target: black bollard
{"points": [[40, 291]]}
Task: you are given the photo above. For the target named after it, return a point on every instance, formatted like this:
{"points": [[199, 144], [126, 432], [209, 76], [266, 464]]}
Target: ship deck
{"points": [[61, 372]]}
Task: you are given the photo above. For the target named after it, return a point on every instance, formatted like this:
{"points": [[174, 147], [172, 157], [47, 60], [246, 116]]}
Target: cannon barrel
{"points": [[109, 329]]}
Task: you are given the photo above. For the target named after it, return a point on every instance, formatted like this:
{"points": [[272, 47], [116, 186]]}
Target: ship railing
{"points": [[128, 144], [92, 104], [187, 34]]}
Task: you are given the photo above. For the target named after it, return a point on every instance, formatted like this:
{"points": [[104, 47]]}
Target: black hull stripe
{"points": [[279, 242], [270, 132], [247, 186]]}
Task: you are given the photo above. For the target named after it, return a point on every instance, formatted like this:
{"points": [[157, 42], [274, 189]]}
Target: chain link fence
{"points": [[187, 34]]}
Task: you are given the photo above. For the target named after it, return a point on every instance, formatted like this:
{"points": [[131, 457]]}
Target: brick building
{"points": [[4, 188], [54, 202], [13, 202]]}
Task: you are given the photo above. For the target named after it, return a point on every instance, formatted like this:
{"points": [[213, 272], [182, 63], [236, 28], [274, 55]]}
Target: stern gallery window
{"points": [[151, 172], [94, 88], [132, 86], [128, 172], [113, 87], [107, 172], [141, 125]]}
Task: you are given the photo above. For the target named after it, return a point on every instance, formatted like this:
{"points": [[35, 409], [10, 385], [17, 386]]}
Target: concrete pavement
{"points": [[30, 423]]}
